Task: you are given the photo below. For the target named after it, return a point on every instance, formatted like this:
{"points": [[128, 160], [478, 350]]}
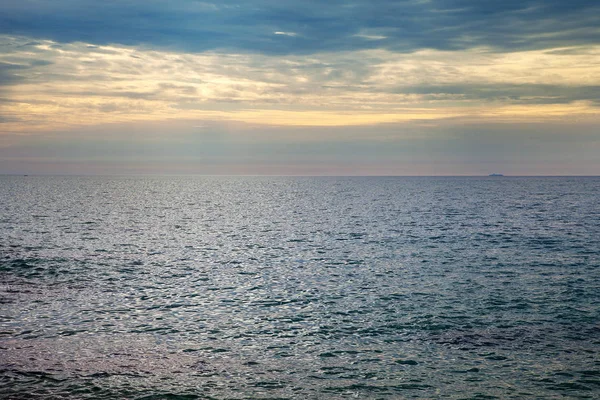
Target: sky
{"points": [[300, 87]]}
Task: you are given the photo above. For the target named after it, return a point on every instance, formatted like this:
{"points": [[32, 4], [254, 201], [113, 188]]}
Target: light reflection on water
{"points": [[299, 287]]}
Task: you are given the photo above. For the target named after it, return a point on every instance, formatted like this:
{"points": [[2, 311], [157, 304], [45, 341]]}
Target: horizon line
{"points": [[297, 175]]}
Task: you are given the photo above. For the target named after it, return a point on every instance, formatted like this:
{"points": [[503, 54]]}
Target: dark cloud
{"points": [[13, 73], [5, 119], [510, 93], [311, 25], [9, 73]]}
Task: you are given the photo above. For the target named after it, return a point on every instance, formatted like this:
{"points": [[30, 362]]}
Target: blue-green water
{"points": [[299, 288]]}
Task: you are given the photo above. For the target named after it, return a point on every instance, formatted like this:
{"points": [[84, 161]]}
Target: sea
{"points": [[208, 287]]}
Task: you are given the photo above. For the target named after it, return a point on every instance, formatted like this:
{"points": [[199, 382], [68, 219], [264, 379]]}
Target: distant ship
{"points": [[495, 175]]}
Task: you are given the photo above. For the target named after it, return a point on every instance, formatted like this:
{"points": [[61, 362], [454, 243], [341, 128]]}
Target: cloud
{"points": [[16, 69], [507, 92], [344, 86], [317, 26], [370, 35], [76, 84], [292, 34]]}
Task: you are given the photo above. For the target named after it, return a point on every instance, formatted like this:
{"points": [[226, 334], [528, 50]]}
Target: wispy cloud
{"points": [[79, 84], [370, 36], [292, 34]]}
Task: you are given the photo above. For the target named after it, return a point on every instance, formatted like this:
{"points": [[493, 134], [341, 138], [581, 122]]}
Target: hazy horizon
{"points": [[491, 175]]}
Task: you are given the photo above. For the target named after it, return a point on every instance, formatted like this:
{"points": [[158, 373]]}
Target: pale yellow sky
{"points": [[78, 84]]}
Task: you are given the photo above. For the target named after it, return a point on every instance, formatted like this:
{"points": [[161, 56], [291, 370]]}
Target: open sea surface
{"points": [[299, 288]]}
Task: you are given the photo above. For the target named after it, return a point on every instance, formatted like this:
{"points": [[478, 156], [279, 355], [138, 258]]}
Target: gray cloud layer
{"points": [[308, 26]]}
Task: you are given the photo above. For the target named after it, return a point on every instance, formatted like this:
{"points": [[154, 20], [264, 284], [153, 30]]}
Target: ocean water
{"points": [[299, 288]]}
